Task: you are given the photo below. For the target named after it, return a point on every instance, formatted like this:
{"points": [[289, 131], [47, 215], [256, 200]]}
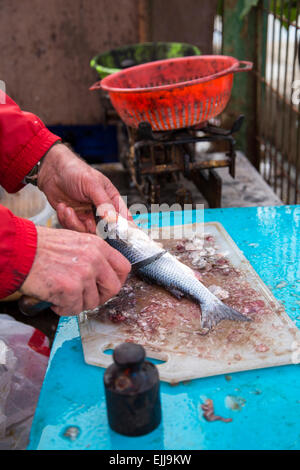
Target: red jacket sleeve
{"points": [[18, 240], [23, 141]]}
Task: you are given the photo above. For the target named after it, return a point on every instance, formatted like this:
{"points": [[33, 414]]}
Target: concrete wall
{"points": [[189, 21], [46, 47]]}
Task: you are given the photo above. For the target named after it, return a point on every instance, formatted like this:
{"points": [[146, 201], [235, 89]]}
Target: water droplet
{"points": [[234, 403], [72, 432]]}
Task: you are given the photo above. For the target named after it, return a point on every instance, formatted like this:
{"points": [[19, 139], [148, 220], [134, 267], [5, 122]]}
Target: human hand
{"points": [[72, 187], [74, 271]]}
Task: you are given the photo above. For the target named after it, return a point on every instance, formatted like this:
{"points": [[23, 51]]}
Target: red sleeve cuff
{"points": [[20, 253], [27, 158]]}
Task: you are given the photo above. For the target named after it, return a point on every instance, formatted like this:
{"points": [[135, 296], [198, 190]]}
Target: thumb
{"points": [[101, 191], [68, 218]]}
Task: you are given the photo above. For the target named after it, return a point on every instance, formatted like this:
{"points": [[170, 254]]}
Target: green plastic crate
{"points": [[117, 59]]}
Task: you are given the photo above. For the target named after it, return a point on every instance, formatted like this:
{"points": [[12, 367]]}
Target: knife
{"points": [[31, 306]]}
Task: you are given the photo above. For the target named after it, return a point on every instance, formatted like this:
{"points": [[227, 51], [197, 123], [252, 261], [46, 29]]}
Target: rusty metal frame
{"points": [[152, 156]]}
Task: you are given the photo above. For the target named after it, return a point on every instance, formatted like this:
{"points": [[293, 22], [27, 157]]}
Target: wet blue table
{"points": [[73, 395]]}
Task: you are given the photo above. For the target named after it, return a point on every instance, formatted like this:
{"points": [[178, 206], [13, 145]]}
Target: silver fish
{"points": [[153, 264]]}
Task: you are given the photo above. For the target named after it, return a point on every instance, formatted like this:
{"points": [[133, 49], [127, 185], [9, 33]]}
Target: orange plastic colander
{"points": [[173, 93]]}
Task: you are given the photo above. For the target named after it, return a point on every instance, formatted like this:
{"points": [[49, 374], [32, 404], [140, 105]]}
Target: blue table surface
{"points": [[268, 418]]}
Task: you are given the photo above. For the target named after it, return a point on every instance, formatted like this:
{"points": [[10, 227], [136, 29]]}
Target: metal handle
{"points": [[30, 306], [243, 66], [96, 86]]}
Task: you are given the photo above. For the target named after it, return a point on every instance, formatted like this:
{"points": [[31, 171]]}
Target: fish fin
{"points": [[176, 293], [213, 313]]}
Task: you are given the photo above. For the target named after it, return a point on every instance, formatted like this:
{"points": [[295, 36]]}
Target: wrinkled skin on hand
{"points": [[72, 186], [74, 271]]}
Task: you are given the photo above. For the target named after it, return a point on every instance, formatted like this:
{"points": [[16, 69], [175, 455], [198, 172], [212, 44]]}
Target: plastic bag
{"points": [[24, 353]]}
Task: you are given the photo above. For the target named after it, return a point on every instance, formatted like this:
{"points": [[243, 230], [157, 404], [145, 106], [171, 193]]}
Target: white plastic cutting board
{"points": [[233, 346]]}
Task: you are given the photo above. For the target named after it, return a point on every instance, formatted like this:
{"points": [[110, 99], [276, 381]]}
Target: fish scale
{"points": [[167, 271]]}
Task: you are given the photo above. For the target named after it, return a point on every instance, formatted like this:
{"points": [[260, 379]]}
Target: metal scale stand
{"points": [[154, 159]]}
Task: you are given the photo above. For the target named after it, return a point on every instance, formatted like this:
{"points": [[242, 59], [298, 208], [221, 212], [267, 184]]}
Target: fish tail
{"points": [[213, 313]]}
